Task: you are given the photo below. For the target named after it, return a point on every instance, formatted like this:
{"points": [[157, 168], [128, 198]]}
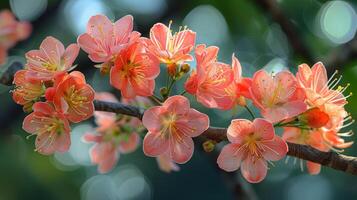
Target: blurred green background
{"points": [[321, 30]]}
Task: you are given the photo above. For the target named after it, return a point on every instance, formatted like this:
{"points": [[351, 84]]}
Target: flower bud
{"points": [[105, 68], [164, 91], [314, 117], [208, 146], [185, 68], [172, 69]]}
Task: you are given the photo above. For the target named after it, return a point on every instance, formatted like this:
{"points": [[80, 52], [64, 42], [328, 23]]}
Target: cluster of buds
{"points": [[307, 105]]}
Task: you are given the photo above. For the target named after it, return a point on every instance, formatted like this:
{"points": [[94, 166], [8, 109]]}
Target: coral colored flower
{"points": [[109, 143], [314, 118], [113, 135], [72, 96], [210, 80], [320, 93], [50, 59], [11, 32], [306, 137], [104, 39], [134, 71], [26, 91], [319, 90], [171, 48], [238, 90], [252, 145], [166, 164], [278, 97], [51, 127], [171, 128]]}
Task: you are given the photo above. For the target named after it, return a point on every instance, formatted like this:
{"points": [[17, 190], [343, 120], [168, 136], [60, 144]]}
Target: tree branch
{"points": [[330, 159]]}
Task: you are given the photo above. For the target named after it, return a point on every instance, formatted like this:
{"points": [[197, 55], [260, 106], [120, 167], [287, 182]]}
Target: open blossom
{"points": [[211, 79], [50, 59], [321, 93], [26, 91], [11, 32], [238, 90], [319, 90], [252, 144], [109, 143], [104, 39], [171, 128], [278, 97], [166, 164], [111, 137], [171, 48], [72, 96], [51, 127], [134, 71]]}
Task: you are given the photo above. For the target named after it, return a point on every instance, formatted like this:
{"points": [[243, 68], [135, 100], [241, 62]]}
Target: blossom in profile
{"points": [[50, 59], [134, 71], [251, 145], [26, 91], [238, 90], [51, 127], [11, 32], [171, 128], [113, 136], [72, 96], [105, 39], [211, 79], [171, 49], [278, 97]]}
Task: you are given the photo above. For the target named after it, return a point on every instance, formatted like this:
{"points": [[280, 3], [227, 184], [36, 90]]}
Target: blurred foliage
{"points": [[236, 26]]}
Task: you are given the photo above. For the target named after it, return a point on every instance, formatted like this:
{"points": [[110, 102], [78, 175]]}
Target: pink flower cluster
{"points": [[308, 106], [55, 96], [11, 32]]}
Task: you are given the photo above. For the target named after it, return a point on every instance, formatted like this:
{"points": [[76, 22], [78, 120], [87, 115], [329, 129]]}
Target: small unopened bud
{"points": [[172, 69], [105, 68], [208, 146], [314, 118], [27, 108], [164, 91], [185, 68], [241, 101]]}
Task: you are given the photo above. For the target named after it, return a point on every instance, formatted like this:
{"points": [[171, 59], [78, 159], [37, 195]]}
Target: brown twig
{"points": [[330, 159]]}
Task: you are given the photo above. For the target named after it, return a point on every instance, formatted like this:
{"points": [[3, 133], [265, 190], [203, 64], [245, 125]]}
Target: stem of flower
{"points": [[155, 99], [250, 112]]}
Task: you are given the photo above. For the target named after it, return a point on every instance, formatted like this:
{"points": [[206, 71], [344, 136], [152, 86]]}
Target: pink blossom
{"points": [[11, 32], [171, 128], [211, 79], [238, 90], [278, 97], [50, 59], [134, 71], [51, 127], [72, 96], [104, 39], [171, 48], [252, 144]]}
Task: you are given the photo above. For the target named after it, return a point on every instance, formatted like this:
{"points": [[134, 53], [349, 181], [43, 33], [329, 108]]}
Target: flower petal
{"points": [[228, 159], [155, 144], [254, 171], [263, 129], [275, 149], [238, 130], [181, 148], [151, 119]]}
